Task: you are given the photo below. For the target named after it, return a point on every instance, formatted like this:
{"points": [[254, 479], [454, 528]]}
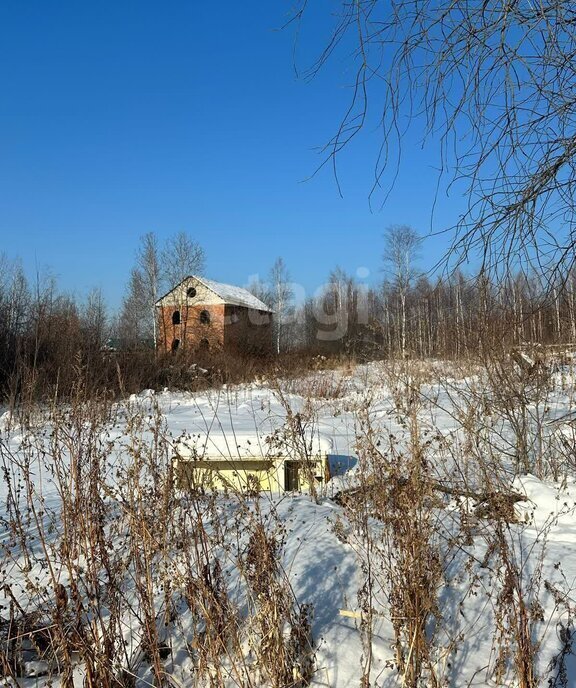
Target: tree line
{"points": [[410, 313], [49, 339], [455, 316]]}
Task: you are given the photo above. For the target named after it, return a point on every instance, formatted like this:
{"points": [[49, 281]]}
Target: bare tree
{"points": [[94, 320], [341, 286], [492, 84], [281, 296], [180, 258], [15, 301], [138, 310], [260, 290], [338, 306], [401, 247]]}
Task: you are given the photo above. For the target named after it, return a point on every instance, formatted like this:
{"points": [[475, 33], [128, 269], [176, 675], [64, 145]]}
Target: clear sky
{"points": [[121, 117]]}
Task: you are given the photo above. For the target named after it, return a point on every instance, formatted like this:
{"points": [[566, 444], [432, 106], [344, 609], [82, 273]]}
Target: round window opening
{"points": [[191, 292], [205, 317]]}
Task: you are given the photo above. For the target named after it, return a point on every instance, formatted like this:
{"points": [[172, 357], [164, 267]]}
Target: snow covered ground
{"points": [[323, 554]]}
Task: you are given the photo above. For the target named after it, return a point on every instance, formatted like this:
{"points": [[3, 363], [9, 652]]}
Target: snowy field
{"points": [[111, 577]]}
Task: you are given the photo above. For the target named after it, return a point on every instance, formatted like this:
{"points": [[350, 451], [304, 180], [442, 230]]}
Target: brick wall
{"points": [[191, 332], [247, 331], [231, 327]]}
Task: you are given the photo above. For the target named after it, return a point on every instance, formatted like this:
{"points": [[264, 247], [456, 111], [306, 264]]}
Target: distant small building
{"points": [[199, 314]]}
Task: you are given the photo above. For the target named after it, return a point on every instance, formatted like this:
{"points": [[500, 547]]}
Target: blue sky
{"points": [[119, 118]]}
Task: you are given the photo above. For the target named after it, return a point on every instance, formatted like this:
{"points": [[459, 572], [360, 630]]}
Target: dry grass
{"points": [[140, 584]]}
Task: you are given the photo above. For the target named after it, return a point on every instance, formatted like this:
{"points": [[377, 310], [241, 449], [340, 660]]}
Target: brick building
{"points": [[201, 314]]}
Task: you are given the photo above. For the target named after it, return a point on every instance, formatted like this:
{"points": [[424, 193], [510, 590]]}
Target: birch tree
{"points": [[180, 258], [139, 308], [281, 296], [401, 248]]}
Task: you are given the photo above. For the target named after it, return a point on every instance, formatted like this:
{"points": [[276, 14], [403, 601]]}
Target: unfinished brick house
{"points": [[199, 314]]}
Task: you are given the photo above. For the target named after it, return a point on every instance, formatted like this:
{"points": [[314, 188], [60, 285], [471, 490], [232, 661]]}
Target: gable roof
{"points": [[236, 296], [231, 295]]}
